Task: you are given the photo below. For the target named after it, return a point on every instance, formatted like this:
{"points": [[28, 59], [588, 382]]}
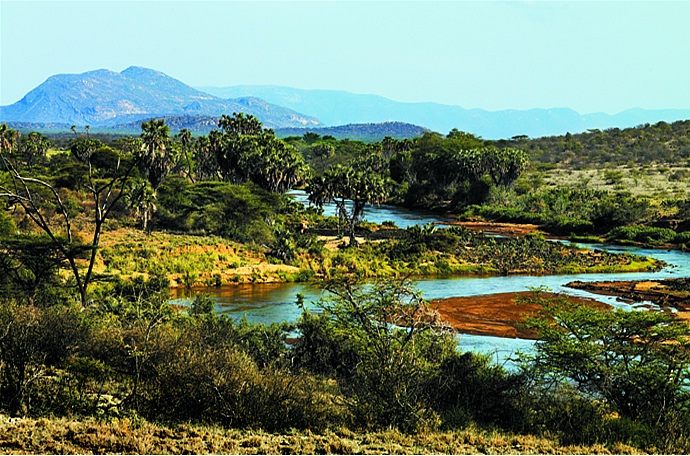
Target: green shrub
{"points": [[682, 238], [643, 234]]}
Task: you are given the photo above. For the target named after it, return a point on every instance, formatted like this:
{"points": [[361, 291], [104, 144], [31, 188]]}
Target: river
{"points": [[268, 303]]}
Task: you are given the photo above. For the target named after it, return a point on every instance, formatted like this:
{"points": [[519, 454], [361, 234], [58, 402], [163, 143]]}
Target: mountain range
{"points": [[120, 101], [104, 98], [334, 107]]}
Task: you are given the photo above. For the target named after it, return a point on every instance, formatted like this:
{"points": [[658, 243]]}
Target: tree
{"points": [[142, 198], [247, 151], [636, 361], [43, 204], [382, 343], [8, 138], [205, 163], [185, 138], [34, 147], [156, 159], [238, 138], [504, 166], [273, 165], [342, 183]]}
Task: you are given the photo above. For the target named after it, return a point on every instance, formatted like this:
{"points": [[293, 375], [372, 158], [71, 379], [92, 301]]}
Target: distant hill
{"points": [[338, 107], [661, 142], [106, 98], [202, 125], [360, 132]]}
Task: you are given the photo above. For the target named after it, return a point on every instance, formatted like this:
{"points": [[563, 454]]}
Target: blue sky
{"points": [[589, 56]]}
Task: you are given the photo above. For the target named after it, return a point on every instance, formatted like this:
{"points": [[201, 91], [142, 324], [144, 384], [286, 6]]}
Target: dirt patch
{"points": [[496, 314], [672, 295], [500, 229]]}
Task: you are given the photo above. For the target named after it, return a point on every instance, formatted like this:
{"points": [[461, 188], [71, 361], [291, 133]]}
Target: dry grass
{"points": [[128, 252], [655, 181], [63, 436]]}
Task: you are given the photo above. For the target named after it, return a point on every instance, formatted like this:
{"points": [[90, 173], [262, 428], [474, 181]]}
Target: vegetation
{"points": [[632, 367], [95, 232], [131, 359]]}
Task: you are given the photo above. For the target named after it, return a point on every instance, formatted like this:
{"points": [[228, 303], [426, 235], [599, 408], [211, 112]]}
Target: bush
{"points": [[643, 234], [468, 388], [682, 238], [218, 382], [238, 212], [566, 226], [635, 363]]}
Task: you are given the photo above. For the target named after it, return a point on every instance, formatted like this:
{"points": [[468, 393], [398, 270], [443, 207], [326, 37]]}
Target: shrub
{"points": [[644, 234]]}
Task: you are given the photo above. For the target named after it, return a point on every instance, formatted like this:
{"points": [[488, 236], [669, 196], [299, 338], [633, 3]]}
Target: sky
{"points": [[589, 56]]}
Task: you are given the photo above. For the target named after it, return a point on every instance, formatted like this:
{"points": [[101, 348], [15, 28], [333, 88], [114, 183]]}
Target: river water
{"points": [[268, 303]]}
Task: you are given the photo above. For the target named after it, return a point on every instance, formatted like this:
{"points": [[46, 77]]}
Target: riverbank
{"points": [[498, 315], [500, 229], [211, 261], [671, 295]]}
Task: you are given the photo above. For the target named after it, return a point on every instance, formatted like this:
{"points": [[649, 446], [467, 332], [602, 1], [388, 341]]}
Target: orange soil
{"points": [[495, 314], [659, 292]]}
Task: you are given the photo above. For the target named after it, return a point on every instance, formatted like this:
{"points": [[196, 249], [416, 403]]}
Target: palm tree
{"points": [[155, 162], [185, 137], [142, 198], [7, 136]]}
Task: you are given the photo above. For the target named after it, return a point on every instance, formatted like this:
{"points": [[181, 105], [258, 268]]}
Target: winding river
{"points": [[268, 303]]}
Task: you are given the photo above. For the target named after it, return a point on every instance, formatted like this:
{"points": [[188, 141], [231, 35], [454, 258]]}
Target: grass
{"points": [[651, 180], [193, 261], [137, 436], [187, 260]]}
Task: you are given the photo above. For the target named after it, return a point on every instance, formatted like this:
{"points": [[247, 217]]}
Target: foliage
{"points": [[394, 359], [238, 212], [454, 171], [643, 234], [637, 362], [52, 210], [246, 151], [661, 142], [341, 185], [156, 157]]}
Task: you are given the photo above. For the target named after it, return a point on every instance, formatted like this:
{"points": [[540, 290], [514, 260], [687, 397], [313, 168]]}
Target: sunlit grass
{"points": [[137, 436]]}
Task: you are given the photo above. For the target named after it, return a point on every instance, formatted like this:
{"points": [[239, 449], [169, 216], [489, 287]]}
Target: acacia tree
{"points": [[638, 362], [382, 343], [342, 185], [43, 204]]}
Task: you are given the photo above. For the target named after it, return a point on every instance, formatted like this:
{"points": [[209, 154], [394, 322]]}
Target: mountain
{"points": [[105, 98], [338, 107]]}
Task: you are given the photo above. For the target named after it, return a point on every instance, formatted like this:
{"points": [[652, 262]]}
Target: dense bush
{"points": [[644, 234], [238, 212]]}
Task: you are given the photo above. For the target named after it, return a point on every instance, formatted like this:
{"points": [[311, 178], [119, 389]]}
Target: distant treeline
{"points": [[661, 142]]}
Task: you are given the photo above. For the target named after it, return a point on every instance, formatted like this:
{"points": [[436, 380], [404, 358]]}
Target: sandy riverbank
{"points": [[495, 314]]}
